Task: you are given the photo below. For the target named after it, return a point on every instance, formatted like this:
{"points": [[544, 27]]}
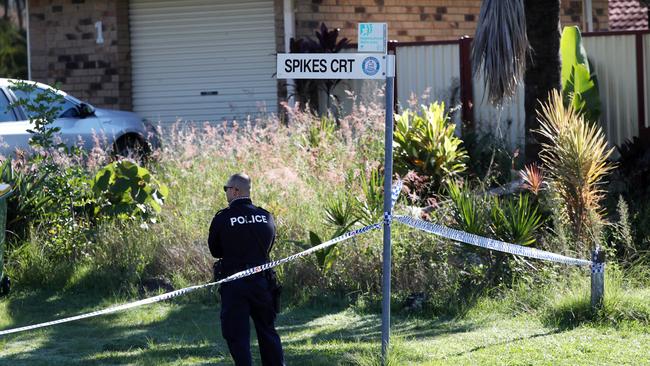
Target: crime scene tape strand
{"points": [[487, 243], [172, 294]]}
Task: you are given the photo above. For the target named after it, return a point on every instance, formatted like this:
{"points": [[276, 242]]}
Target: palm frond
{"points": [[500, 46]]}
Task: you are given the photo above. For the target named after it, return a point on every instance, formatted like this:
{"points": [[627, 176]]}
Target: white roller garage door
{"points": [[202, 60]]}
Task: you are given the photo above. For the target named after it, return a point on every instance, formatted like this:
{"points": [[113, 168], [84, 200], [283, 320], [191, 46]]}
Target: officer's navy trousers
{"points": [[241, 299]]}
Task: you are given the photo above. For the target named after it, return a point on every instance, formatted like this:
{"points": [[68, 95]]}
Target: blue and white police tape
{"points": [[172, 294], [394, 193], [487, 243]]}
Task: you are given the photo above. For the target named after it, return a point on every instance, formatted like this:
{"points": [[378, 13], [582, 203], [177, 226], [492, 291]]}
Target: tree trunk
{"points": [[543, 65], [19, 10]]}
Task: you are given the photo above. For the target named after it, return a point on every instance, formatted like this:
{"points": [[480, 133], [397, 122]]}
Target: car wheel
{"points": [[132, 147]]}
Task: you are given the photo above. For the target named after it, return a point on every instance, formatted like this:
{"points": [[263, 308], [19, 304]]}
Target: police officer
{"points": [[242, 235]]}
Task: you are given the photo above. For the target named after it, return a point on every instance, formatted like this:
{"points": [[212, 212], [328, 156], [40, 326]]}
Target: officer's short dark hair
{"points": [[241, 181]]}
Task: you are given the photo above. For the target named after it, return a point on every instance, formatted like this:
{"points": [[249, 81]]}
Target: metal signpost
{"points": [[372, 37]]}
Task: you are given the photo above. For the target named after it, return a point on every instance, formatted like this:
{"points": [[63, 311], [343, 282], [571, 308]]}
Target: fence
{"points": [[440, 70]]}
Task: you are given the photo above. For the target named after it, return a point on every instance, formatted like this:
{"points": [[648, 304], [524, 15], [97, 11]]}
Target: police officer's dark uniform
{"points": [[243, 234]]}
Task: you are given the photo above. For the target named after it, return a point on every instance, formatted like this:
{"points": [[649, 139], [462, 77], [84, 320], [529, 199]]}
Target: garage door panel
{"points": [[205, 101], [182, 48], [207, 75], [180, 27], [197, 61]]}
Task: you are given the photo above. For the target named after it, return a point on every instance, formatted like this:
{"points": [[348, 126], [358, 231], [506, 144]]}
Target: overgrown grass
{"points": [[523, 325], [330, 318]]}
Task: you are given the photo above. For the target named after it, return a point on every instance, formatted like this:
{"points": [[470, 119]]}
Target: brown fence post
{"points": [[640, 78], [597, 278], [466, 87]]}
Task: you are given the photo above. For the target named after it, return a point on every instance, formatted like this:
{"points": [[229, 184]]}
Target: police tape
{"points": [[487, 243], [409, 221], [394, 193], [172, 294]]}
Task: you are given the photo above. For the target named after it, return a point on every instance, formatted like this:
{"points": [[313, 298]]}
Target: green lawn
{"points": [[186, 332]]}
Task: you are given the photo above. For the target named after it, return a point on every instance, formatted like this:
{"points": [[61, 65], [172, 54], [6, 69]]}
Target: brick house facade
{"points": [[64, 50], [417, 20]]}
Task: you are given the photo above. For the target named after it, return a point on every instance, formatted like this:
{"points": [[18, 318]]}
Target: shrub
{"points": [[427, 145], [516, 220], [371, 201], [470, 213], [510, 219], [52, 214], [575, 153], [308, 91], [489, 158], [631, 180], [126, 190]]}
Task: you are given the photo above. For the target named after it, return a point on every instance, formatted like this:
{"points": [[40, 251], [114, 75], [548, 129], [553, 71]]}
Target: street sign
{"points": [[372, 37], [377, 65], [331, 66]]}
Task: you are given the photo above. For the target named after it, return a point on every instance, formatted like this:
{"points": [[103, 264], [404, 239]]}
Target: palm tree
{"points": [[515, 38]]}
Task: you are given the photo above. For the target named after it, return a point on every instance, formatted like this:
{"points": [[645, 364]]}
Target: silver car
{"points": [[81, 124]]}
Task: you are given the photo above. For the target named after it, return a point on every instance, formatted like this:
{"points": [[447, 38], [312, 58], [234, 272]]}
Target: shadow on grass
{"points": [[185, 330], [145, 335], [510, 341], [569, 314], [617, 311]]}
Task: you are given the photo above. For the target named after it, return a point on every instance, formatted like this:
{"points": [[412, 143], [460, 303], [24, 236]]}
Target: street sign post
{"points": [[377, 65]]}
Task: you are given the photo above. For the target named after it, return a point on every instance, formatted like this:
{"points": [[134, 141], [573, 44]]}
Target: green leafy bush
{"points": [[50, 187], [489, 158], [427, 145], [341, 212], [512, 219], [371, 201], [469, 210], [515, 219], [126, 190], [29, 199], [631, 179]]}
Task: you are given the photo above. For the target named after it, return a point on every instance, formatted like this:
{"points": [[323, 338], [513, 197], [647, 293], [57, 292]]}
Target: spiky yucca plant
{"points": [[575, 155]]}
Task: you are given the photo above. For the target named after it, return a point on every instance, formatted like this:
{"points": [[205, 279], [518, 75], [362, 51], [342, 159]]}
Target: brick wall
{"points": [[415, 20], [572, 14], [64, 49]]}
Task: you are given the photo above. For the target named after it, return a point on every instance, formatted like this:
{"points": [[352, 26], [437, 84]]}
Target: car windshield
{"points": [[68, 107]]}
